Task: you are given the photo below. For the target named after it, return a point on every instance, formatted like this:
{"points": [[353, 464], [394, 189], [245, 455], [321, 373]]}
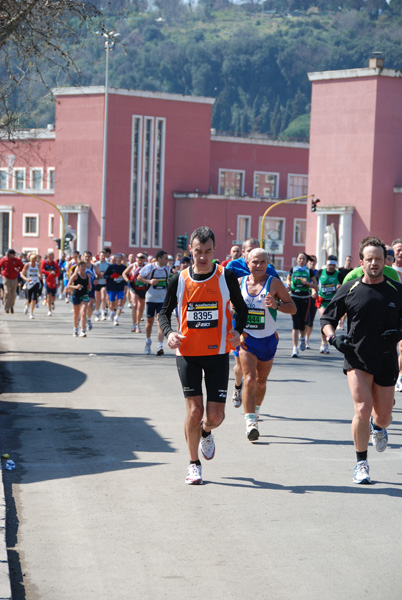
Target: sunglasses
{"points": [[140, 256]]}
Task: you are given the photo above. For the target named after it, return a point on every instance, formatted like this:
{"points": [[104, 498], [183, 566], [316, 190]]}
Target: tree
{"points": [[33, 36]]}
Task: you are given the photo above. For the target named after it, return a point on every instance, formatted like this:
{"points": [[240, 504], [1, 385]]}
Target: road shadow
{"points": [[44, 376]]}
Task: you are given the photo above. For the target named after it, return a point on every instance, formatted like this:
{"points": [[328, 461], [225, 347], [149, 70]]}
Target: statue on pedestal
{"points": [[330, 244]]}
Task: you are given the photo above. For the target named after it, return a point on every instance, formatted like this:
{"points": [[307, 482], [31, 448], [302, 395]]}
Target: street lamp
{"points": [[110, 40]]}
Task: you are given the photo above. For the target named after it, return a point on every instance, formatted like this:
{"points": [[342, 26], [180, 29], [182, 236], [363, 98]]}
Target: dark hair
{"points": [[301, 252], [332, 257], [81, 263], [371, 241], [203, 234], [397, 241], [10, 251], [160, 253], [87, 252]]}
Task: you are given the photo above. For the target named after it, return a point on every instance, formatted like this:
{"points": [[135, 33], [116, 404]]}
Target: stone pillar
{"points": [[82, 229], [345, 238], [320, 253]]}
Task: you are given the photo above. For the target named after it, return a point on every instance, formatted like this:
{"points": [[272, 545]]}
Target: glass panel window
{"points": [[31, 225], [159, 170], [19, 179], [51, 225], [266, 185], [36, 179], [297, 186], [147, 202], [135, 180], [274, 225], [51, 179], [231, 183], [243, 227], [3, 179], [299, 232]]}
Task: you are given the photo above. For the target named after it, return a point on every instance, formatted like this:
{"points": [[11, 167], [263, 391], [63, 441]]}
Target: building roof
{"points": [[353, 73], [100, 89]]}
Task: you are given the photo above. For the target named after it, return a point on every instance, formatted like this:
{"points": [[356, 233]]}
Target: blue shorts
{"points": [[263, 348], [76, 300], [91, 293], [116, 295], [152, 308]]}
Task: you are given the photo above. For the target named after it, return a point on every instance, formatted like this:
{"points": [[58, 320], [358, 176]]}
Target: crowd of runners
{"points": [[232, 307]]}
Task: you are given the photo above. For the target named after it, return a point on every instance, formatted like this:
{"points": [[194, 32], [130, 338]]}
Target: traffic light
{"points": [[66, 244], [58, 243], [314, 205], [182, 241]]}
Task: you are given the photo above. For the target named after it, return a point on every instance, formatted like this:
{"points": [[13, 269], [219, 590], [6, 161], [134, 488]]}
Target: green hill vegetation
{"points": [[253, 58]]}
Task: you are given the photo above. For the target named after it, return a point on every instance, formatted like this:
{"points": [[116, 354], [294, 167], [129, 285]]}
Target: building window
{"points": [[147, 183], [276, 261], [297, 186], [159, 178], [51, 174], [274, 230], [243, 227], [19, 179], [3, 179], [51, 226], [231, 183], [30, 225], [299, 232], [135, 180], [266, 185], [37, 179]]}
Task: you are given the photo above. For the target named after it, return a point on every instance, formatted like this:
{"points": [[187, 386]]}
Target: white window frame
{"points": [[30, 215], [29, 250], [51, 170], [296, 175], [248, 227], [243, 181], [278, 261], [51, 226], [7, 179], [295, 222], [162, 181], [23, 169], [283, 219], [150, 182], [40, 169], [276, 185]]}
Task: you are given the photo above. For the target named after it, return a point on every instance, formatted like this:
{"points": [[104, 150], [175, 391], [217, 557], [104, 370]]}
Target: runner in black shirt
{"points": [[373, 305]]}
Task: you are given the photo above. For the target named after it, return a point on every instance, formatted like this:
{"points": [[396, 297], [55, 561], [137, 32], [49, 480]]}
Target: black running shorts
{"points": [[215, 370]]}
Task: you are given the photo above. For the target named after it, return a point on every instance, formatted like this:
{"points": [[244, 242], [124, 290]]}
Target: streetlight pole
{"points": [[110, 40]]}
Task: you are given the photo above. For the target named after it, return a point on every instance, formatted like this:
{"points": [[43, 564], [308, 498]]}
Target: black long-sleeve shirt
{"points": [[236, 299]]}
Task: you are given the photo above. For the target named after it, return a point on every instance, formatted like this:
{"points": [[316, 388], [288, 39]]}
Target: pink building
{"points": [[167, 174], [355, 165]]}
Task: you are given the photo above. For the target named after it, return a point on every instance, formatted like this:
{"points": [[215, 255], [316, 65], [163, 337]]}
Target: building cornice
{"points": [[335, 210], [100, 89], [353, 74], [258, 141]]}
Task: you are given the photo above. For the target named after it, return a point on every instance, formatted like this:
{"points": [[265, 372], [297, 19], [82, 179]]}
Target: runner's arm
{"points": [[237, 300], [169, 305]]}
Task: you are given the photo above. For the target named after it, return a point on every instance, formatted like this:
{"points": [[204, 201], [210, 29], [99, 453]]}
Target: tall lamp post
{"points": [[110, 40]]}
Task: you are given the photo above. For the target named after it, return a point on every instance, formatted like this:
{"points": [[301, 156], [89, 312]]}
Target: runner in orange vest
{"points": [[203, 293]]}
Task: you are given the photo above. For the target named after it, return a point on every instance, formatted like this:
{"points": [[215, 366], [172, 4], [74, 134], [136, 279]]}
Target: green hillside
{"points": [[253, 58]]}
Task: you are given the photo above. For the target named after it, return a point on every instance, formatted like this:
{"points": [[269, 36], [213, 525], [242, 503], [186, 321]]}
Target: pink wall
{"points": [[341, 150], [258, 156]]}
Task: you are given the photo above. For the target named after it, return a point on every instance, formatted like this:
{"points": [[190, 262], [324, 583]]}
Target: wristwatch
{"points": [[278, 303], [330, 338]]}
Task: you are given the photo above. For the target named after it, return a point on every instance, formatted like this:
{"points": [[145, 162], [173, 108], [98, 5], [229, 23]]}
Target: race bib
{"points": [[161, 285], [329, 288], [255, 319], [202, 315]]}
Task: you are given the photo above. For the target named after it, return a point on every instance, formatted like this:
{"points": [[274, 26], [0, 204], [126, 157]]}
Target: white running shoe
{"points": [[194, 475], [398, 387], [379, 437], [295, 353], [75, 332], [252, 432], [103, 317], [31, 316], [207, 446], [83, 334], [49, 314], [26, 310], [326, 349], [237, 398], [362, 472], [116, 321], [302, 344], [148, 346]]}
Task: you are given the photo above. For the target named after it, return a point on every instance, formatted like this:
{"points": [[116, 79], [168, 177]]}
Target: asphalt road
{"points": [[97, 507]]}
